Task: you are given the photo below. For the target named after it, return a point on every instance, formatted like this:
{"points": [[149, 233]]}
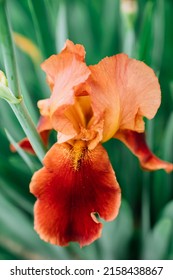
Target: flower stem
{"points": [[20, 109], [7, 51], [22, 154]]}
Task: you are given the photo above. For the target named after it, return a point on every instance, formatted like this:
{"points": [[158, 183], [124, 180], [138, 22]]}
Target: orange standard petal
{"points": [[69, 107], [51, 65], [70, 72], [125, 90], [76, 49], [71, 188], [137, 144]]}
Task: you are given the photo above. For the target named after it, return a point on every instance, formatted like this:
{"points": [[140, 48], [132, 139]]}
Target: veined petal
{"points": [[72, 72], [137, 144], [73, 185], [67, 72], [52, 64], [126, 90], [104, 95], [139, 92]]}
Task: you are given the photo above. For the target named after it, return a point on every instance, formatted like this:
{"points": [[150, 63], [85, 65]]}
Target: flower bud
{"points": [[3, 78], [129, 9]]}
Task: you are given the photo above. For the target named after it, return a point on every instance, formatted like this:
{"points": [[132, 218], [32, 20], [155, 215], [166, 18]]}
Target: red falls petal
{"points": [[25, 145], [68, 197], [44, 126], [136, 142]]}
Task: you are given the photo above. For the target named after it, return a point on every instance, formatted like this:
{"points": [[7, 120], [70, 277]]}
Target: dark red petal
{"points": [[69, 195], [25, 145], [136, 142]]}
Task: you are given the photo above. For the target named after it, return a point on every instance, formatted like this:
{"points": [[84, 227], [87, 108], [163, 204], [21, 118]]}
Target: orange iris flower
{"points": [[88, 106]]}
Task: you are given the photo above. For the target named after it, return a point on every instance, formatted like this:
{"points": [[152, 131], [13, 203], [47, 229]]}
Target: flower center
{"points": [[80, 113]]}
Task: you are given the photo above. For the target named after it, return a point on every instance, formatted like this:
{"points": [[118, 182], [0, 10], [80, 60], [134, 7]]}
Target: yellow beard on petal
{"points": [[78, 152]]}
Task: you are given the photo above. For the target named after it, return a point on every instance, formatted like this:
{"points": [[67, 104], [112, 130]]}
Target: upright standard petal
{"points": [[52, 64], [71, 188], [76, 49], [125, 90], [139, 91], [137, 144], [70, 72]]}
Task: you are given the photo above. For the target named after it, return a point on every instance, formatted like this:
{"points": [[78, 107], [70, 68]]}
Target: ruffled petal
{"points": [[136, 142], [104, 95], [52, 64], [139, 92], [71, 188], [72, 73], [76, 49], [125, 90]]}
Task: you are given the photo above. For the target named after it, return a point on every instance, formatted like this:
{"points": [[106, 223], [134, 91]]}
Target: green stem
{"points": [[23, 155], [10, 66], [8, 52], [29, 128]]}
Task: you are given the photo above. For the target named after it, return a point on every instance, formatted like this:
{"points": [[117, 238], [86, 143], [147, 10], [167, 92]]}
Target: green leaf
{"points": [[168, 210], [23, 155], [168, 139], [144, 37], [116, 237], [19, 238], [44, 32], [62, 29], [162, 195], [158, 240]]}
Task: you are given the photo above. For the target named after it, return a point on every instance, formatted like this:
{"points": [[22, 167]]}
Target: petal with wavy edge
{"points": [[76, 49], [70, 192], [136, 142], [51, 65], [125, 90]]}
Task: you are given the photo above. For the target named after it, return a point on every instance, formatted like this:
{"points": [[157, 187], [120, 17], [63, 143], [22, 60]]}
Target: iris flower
{"points": [[88, 106]]}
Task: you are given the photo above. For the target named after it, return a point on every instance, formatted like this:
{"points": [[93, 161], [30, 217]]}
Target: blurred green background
{"points": [[142, 29]]}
